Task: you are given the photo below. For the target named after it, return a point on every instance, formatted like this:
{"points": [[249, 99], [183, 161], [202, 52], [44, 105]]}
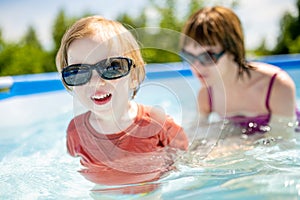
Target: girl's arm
{"points": [[283, 107]]}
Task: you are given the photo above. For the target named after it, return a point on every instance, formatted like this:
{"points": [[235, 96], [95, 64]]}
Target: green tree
{"points": [[158, 43], [60, 25], [168, 18], [262, 50], [31, 39], [289, 38], [26, 56], [2, 42], [133, 22]]}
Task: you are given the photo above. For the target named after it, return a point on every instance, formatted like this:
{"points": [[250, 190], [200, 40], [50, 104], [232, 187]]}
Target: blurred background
{"points": [[31, 30]]}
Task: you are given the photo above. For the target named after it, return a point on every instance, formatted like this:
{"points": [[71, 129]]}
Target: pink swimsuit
{"points": [[254, 124]]}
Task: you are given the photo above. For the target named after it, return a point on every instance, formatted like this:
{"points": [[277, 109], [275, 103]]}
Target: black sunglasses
{"points": [[108, 69], [206, 59]]}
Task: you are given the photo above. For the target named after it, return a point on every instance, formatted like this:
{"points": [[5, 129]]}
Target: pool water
{"points": [[34, 163]]}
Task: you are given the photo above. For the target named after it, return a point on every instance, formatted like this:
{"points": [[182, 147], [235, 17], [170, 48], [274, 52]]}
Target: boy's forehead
{"points": [[88, 50]]}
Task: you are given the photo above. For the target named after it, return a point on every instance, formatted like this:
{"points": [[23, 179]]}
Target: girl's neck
{"points": [[230, 77]]}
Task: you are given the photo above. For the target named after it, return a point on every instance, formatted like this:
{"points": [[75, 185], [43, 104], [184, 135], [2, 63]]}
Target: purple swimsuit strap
{"points": [[210, 101], [269, 92]]}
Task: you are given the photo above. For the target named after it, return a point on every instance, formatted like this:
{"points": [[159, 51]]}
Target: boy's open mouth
{"points": [[101, 99]]}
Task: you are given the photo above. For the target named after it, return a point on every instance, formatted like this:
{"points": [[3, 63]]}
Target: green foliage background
{"points": [[28, 56]]}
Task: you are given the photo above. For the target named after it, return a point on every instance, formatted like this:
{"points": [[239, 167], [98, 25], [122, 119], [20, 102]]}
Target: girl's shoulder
{"points": [[265, 71]]}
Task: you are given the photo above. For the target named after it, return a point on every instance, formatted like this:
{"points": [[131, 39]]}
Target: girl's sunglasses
{"points": [[206, 59], [108, 69]]}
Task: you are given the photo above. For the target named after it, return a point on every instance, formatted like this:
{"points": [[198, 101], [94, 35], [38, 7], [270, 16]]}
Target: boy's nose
{"points": [[96, 79]]}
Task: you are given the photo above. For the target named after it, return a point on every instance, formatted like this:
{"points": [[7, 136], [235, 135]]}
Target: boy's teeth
{"points": [[101, 96]]}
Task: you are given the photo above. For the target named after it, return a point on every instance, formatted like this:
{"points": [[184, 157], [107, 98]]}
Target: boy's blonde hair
{"points": [[112, 33]]}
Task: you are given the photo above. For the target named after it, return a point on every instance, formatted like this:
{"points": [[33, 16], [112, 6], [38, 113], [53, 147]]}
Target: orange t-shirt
{"points": [[138, 154]]}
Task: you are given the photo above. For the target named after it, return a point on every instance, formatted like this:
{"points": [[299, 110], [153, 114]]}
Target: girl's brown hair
{"points": [[218, 25]]}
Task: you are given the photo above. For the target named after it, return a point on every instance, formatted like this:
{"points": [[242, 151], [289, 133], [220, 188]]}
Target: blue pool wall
{"points": [[47, 82]]}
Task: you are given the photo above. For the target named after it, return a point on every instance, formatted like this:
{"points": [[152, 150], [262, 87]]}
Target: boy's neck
{"points": [[114, 122]]}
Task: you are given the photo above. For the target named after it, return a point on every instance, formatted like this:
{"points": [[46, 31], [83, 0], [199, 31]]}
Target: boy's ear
{"points": [[134, 83], [134, 79]]}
